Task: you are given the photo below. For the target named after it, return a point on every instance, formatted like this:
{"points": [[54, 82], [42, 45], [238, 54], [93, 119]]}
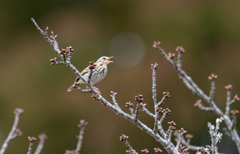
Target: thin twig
{"points": [[42, 138], [113, 95], [227, 110], [161, 102], [212, 91], [31, 140], [130, 150], [80, 136], [148, 112], [11, 135], [30, 148], [137, 111], [155, 128], [154, 90]]}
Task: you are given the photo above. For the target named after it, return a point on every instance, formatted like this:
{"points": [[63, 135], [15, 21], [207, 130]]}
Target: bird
{"points": [[98, 73]]}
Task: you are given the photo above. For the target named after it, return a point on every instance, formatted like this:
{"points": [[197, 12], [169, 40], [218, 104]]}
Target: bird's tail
{"points": [[71, 88]]}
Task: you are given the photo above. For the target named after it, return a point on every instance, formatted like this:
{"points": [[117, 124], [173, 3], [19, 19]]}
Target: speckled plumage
{"points": [[98, 73]]}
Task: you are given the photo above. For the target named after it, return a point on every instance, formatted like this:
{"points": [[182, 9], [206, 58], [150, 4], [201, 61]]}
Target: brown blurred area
{"points": [[209, 31]]}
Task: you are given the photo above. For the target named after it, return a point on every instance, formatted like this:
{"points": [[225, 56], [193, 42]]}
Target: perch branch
{"points": [[170, 148]]}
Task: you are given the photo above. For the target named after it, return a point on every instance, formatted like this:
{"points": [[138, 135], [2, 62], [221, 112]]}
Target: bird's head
{"points": [[104, 60]]}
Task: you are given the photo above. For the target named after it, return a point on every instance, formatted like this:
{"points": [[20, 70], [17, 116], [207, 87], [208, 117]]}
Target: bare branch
{"points": [[14, 131], [196, 90], [180, 51], [130, 150], [31, 140], [215, 135], [42, 138], [229, 89], [200, 105], [189, 82], [82, 125], [212, 91], [130, 106], [52, 41], [113, 95], [165, 95], [148, 112], [154, 90], [137, 111]]}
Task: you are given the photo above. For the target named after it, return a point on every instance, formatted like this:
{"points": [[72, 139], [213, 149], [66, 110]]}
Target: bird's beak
{"points": [[109, 59]]}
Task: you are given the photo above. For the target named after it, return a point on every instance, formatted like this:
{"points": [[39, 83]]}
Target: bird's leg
{"points": [[94, 88], [97, 89]]}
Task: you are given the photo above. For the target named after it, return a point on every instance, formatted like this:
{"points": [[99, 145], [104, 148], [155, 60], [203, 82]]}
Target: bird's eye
{"points": [[104, 58]]}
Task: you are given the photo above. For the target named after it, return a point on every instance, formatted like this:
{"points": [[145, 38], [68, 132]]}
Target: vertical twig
{"points": [[180, 51], [42, 137], [114, 95], [212, 78], [31, 140], [82, 125], [154, 90], [229, 89]]}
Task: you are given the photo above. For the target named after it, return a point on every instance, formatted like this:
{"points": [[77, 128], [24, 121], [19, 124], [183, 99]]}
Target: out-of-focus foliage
{"points": [[208, 30]]}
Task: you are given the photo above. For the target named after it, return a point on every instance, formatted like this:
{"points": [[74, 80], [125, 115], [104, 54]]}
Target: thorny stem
{"points": [[170, 148], [191, 85]]}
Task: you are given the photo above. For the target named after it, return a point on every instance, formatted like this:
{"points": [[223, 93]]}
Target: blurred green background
{"points": [[209, 31]]}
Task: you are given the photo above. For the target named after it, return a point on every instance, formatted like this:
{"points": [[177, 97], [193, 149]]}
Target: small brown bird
{"points": [[98, 73]]}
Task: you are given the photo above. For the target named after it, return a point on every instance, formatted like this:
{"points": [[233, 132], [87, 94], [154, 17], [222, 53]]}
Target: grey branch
{"points": [[113, 95], [148, 112], [212, 91], [137, 111], [161, 102], [80, 136], [130, 150], [227, 110], [31, 140], [191, 85], [12, 133], [30, 148], [42, 137], [154, 90], [215, 135], [170, 148]]}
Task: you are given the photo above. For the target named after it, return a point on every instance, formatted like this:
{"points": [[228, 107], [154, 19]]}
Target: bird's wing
{"points": [[82, 73]]}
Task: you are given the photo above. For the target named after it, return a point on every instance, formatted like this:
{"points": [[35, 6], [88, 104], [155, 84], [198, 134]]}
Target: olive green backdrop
{"points": [[208, 31]]}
